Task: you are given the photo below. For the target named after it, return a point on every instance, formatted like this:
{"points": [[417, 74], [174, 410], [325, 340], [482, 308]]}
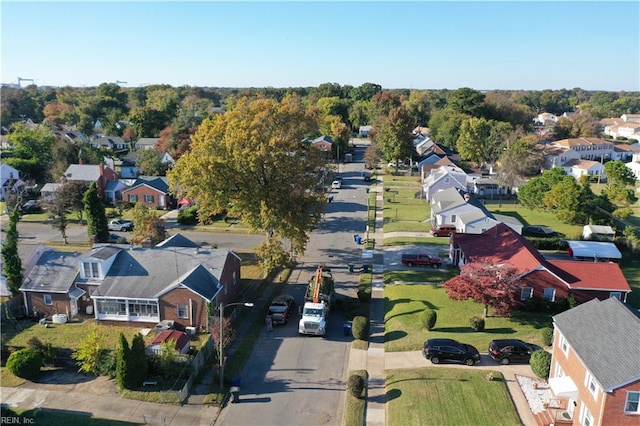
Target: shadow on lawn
{"points": [[394, 335], [500, 330]]}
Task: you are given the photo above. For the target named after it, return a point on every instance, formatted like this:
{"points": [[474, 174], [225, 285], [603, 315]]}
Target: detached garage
{"points": [[594, 251]]}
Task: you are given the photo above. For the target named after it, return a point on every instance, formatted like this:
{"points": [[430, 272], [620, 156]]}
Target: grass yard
{"points": [[421, 275], [404, 305], [410, 241], [631, 270], [447, 396], [534, 217]]}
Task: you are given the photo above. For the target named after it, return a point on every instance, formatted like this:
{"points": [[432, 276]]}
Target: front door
{"points": [[73, 304]]}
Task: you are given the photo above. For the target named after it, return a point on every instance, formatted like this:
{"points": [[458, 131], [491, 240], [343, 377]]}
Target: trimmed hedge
{"points": [[25, 363], [360, 328], [541, 364], [476, 323], [355, 385], [547, 336], [429, 318]]}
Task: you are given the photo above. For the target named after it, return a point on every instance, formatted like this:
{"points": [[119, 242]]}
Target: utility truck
{"points": [[317, 301]]}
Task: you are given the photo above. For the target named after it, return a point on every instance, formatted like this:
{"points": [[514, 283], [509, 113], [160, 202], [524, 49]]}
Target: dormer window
{"points": [[91, 270]]}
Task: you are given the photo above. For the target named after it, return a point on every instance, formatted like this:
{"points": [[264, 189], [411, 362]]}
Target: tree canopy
{"points": [[252, 162]]}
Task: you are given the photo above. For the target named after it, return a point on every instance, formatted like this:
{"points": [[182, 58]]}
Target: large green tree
{"points": [[149, 162], [252, 162], [11, 263], [444, 125], [94, 211], [532, 193], [520, 160], [393, 135], [31, 153]]}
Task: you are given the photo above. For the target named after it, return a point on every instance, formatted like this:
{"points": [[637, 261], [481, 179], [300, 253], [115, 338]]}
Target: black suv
{"points": [[436, 350], [506, 351]]}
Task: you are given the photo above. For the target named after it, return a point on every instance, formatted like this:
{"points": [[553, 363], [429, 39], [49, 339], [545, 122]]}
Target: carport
{"points": [[595, 251]]}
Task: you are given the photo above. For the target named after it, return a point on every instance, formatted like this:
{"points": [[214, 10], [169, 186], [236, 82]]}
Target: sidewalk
{"points": [[375, 360]]}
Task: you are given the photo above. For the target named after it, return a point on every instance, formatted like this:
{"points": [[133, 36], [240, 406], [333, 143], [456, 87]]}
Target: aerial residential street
{"points": [[292, 379]]}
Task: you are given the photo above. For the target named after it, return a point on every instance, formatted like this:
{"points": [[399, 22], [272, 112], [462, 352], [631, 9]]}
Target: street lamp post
{"points": [[220, 336]]}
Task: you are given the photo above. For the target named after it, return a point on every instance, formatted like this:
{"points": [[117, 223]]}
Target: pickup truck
{"points": [[281, 309], [421, 259]]}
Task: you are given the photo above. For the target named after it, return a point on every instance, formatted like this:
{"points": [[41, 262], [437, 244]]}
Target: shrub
{"points": [[360, 327], [25, 363], [106, 365], [540, 364], [355, 385], [364, 294], [477, 323], [429, 318], [188, 216], [547, 336]]}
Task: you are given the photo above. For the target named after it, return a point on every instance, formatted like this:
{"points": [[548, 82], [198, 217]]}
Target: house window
{"points": [[91, 270], [633, 403], [616, 294], [133, 198], [48, 300], [591, 384], [148, 198], [453, 218], [586, 419], [143, 308], [526, 293], [112, 307], [559, 371], [550, 294], [564, 345], [182, 311]]}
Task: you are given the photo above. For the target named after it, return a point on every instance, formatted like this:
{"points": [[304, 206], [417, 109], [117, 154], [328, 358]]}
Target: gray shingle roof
{"points": [[159, 183], [177, 240], [54, 272], [83, 172], [145, 273], [605, 335]]}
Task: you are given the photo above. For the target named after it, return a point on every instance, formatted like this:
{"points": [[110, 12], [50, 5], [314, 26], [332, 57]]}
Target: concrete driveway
{"points": [[393, 255]]}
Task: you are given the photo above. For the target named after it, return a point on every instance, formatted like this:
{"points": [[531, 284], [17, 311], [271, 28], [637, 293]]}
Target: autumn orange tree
{"points": [[492, 285], [251, 162]]}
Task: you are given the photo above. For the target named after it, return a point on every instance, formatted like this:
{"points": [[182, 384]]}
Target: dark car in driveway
{"points": [[281, 308], [31, 206], [506, 351], [538, 231], [438, 350]]}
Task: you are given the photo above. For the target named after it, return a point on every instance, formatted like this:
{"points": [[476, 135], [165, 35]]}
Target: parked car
{"points": [[281, 308], [336, 184], [120, 225], [399, 164], [31, 206], [506, 351], [538, 231], [117, 239], [421, 259], [443, 230], [437, 350]]}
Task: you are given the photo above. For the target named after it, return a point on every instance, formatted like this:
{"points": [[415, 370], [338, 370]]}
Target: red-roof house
{"points": [[548, 279]]}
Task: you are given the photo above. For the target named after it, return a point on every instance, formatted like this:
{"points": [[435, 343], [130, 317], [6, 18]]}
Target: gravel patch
{"points": [[535, 396]]}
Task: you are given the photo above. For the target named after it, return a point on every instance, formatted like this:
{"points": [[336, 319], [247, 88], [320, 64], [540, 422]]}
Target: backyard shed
{"points": [[598, 233], [596, 251], [180, 339]]}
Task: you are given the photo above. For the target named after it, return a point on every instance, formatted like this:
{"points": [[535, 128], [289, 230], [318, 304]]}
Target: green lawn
{"points": [[534, 217], [447, 396], [404, 331]]}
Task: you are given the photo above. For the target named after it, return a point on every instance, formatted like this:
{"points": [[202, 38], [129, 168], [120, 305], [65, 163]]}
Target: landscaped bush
{"points": [[429, 318], [188, 216], [476, 323], [547, 336], [107, 363], [555, 243], [364, 294], [25, 363], [355, 385], [541, 364], [360, 327]]}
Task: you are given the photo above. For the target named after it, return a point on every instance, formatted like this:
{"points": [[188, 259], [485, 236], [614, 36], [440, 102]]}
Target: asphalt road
{"points": [[292, 379]]}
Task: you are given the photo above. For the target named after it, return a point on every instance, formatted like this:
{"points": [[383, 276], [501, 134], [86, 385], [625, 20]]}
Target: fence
{"points": [[197, 363]]}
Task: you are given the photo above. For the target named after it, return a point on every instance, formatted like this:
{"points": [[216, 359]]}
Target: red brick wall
{"points": [[230, 291], [143, 190], [169, 308], [614, 407], [35, 303]]}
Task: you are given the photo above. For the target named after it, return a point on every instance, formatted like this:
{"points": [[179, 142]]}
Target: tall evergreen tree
{"points": [[123, 378], [96, 216], [138, 362], [11, 263]]}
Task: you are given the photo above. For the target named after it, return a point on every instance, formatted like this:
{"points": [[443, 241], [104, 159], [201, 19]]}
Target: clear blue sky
{"points": [[419, 45]]}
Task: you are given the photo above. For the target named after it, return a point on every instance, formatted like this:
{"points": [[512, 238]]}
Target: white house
{"points": [[579, 168], [9, 180], [444, 177]]}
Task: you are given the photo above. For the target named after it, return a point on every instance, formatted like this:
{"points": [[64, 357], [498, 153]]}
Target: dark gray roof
{"points": [[145, 273], [102, 252], [159, 183], [605, 335], [54, 272], [177, 240]]}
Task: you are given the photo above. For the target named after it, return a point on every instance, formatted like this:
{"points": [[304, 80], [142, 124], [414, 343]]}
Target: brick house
{"points": [[540, 278], [137, 286], [89, 173], [150, 191], [595, 365]]}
